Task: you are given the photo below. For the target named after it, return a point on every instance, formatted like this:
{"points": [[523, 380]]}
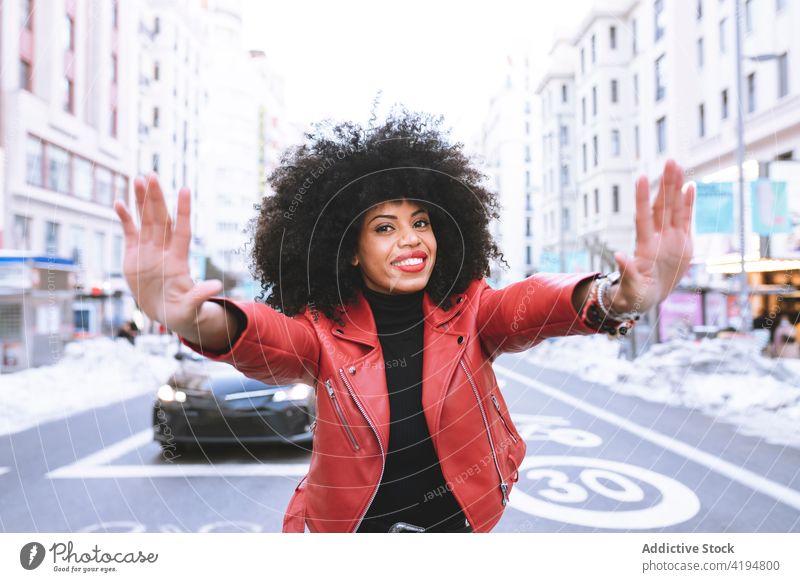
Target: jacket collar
{"points": [[358, 323]]}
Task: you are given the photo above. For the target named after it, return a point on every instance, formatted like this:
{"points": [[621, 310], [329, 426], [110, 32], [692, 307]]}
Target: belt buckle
{"points": [[403, 527]]}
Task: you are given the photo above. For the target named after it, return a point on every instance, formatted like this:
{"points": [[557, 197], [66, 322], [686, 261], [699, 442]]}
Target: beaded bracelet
{"points": [[596, 315]]}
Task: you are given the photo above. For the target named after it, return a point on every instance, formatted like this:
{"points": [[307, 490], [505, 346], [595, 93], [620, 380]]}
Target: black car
{"points": [[210, 403]]}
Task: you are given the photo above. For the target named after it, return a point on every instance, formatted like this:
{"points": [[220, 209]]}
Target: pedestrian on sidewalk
{"points": [[373, 255]]}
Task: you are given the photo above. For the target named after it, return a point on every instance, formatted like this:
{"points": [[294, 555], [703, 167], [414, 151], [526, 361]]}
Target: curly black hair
{"points": [[306, 233]]}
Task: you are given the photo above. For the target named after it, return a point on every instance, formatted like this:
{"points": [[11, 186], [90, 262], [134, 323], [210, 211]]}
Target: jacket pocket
{"points": [[340, 414], [506, 424]]}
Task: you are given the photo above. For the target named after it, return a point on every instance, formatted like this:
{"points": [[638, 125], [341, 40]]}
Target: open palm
{"points": [[156, 262], [663, 242]]}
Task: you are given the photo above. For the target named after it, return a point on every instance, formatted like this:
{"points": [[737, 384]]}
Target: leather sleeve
{"points": [[521, 315], [268, 346]]}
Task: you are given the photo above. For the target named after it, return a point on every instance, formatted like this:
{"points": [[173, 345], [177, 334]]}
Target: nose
{"points": [[409, 237]]}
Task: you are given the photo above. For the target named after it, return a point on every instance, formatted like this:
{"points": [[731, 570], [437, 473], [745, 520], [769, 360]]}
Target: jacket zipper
{"points": [[340, 414], [380, 445], [500, 414], [503, 484]]}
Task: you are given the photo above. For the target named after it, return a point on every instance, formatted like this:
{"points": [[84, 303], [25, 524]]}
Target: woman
{"points": [[374, 251]]}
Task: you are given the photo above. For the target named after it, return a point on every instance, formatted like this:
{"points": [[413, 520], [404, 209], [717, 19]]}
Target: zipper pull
{"points": [[496, 404], [504, 489], [329, 388]]}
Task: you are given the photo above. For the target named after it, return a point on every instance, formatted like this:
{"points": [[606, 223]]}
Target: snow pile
{"points": [[726, 378], [92, 373]]}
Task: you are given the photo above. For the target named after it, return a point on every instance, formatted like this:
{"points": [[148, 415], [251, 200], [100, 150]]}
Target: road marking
{"points": [[96, 465], [4, 470], [747, 478]]}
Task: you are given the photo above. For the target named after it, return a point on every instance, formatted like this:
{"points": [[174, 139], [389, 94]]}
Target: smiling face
{"points": [[396, 247]]}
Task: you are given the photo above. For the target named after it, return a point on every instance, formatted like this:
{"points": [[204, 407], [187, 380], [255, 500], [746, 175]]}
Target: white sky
{"points": [[439, 56]]}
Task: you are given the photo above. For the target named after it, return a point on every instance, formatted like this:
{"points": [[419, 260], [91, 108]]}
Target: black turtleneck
{"points": [[412, 488]]}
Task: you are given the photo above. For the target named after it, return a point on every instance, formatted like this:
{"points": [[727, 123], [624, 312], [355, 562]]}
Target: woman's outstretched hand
{"points": [[156, 262], [663, 243]]}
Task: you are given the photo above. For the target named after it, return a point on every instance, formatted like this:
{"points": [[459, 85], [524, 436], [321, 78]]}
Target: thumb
{"points": [[624, 263], [205, 290]]}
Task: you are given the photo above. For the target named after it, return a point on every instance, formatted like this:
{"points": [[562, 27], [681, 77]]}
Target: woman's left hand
{"points": [[663, 243]]}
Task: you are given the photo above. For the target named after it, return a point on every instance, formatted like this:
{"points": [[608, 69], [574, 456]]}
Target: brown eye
{"points": [[424, 221], [383, 226]]}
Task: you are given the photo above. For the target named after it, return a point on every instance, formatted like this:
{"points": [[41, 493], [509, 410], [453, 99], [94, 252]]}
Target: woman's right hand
{"points": [[156, 262]]}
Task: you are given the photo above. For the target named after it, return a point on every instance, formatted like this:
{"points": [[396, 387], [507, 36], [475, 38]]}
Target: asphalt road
{"points": [[597, 461]]}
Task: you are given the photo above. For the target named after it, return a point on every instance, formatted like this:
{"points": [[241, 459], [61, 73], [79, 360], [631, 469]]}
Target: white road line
{"points": [[95, 466], [4, 470], [747, 478]]}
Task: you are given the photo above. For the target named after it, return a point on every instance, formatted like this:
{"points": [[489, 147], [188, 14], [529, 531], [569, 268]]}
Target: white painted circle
{"points": [[678, 503], [230, 526], [573, 437], [114, 527]]}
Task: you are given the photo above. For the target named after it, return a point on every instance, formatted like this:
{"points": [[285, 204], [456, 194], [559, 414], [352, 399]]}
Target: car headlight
{"points": [[296, 392], [167, 393]]}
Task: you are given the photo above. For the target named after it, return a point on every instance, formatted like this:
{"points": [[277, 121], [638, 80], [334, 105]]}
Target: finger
{"points": [[182, 237], [204, 291], [662, 209], [677, 197], [154, 211], [128, 227], [644, 218], [691, 191], [625, 265]]}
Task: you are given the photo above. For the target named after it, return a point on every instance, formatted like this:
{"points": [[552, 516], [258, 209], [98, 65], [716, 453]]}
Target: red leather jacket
{"points": [[478, 446]]}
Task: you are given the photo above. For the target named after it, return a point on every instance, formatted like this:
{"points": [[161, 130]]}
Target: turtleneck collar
{"points": [[394, 312]]}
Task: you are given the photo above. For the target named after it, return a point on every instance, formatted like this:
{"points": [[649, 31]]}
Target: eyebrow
{"points": [[394, 217]]}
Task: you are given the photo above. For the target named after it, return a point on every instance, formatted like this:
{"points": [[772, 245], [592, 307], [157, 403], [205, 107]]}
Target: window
{"points": [[584, 157], [724, 103], [528, 255], [121, 187], [34, 162], [527, 226], [615, 199], [583, 62], [583, 110], [564, 135], [156, 71], [155, 116], [113, 68], [699, 9], [51, 232], [594, 101], [69, 95], [564, 174], [565, 219], [595, 154], [612, 37], [701, 120], [722, 35], [596, 201], [661, 135], [77, 246], [748, 15], [113, 121], [594, 49], [155, 163], [57, 169], [659, 77], [564, 93], [615, 145], [527, 130], [69, 30], [700, 59], [104, 193], [527, 153], [82, 179], [527, 177], [585, 205], [633, 36], [614, 96], [779, 5], [21, 234], [751, 92], [25, 80], [783, 75], [636, 89], [26, 14], [659, 18], [156, 25], [636, 140]]}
